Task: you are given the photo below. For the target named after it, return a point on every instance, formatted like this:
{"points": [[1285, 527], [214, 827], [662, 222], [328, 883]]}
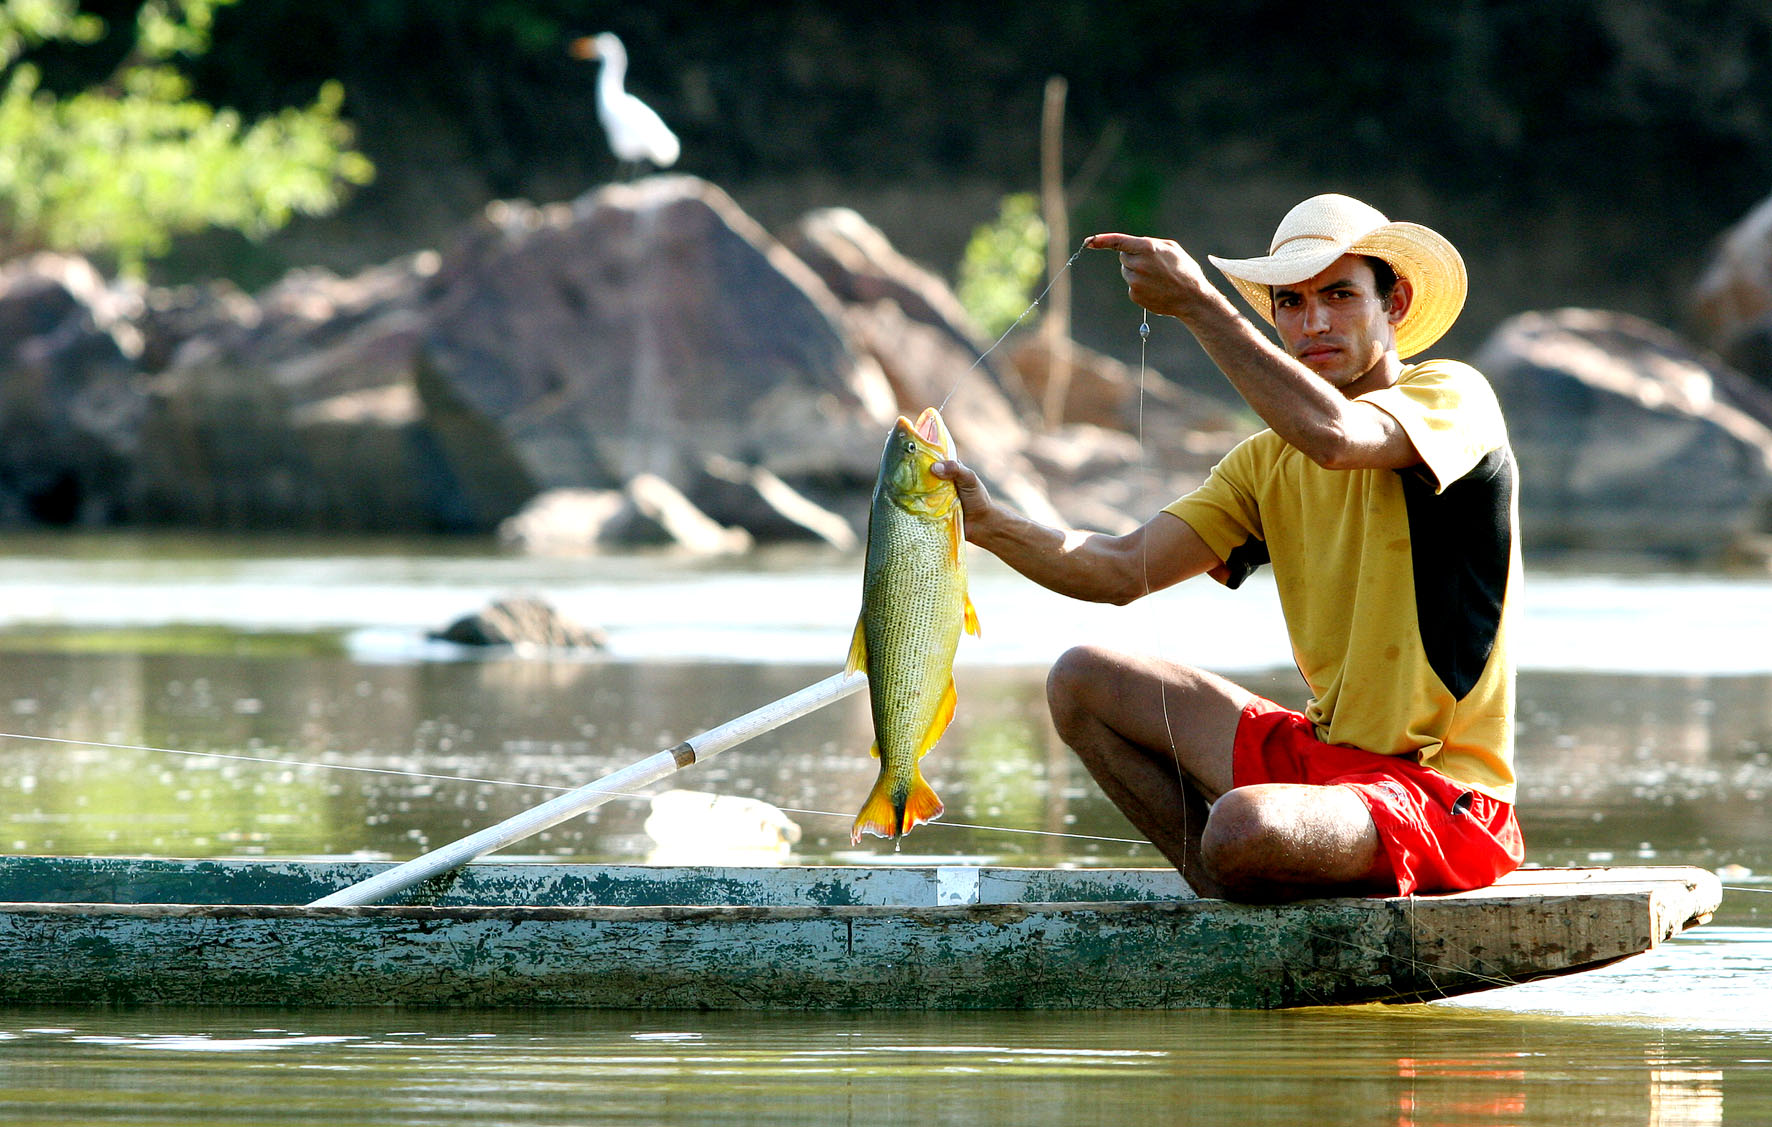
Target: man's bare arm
{"points": [[1083, 565]]}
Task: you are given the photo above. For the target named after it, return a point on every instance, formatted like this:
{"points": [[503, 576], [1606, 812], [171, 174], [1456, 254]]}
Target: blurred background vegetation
{"points": [[119, 167], [1581, 152]]}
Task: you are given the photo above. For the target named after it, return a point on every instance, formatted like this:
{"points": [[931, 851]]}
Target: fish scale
{"points": [[910, 549], [914, 606]]}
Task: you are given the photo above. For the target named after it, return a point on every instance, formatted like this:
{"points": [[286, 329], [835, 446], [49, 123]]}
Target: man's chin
{"points": [[1329, 366]]}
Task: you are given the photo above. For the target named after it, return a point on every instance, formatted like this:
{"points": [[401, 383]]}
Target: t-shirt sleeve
{"points": [[1224, 512], [1449, 412]]}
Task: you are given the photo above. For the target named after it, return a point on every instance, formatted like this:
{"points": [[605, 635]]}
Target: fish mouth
{"points": [[930, 431]]}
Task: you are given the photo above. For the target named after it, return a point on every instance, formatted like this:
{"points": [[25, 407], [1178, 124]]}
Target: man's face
{"points": [[1335, 324]]}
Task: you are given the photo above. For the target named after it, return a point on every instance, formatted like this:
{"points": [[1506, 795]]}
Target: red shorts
{"points": [[1439, 835]]}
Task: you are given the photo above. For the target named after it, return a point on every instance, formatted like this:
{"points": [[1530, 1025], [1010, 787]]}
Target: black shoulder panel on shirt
{"points": [[1245, 558], [1461, 541]]}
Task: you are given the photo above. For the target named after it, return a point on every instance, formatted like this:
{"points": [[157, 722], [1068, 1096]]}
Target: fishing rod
{"points": [[594, 794]]}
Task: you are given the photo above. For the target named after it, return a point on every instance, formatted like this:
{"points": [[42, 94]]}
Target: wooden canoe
{"points": [[212, 932]]}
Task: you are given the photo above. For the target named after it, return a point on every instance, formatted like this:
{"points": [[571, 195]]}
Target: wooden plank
{"points": [[1533, 928]]}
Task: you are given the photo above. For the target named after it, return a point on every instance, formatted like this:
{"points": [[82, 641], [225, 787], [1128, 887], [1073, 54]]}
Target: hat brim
{"points": [[1433, 266]]}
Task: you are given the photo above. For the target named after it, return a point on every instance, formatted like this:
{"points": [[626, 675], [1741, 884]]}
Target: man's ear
{"points": [[1402, 296]]}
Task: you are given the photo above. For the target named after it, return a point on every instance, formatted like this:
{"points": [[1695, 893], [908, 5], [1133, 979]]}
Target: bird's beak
{"points": [[584, 47]]}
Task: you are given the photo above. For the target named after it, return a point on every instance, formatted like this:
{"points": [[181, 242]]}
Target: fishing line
{"points": [[1144, 339], [1081, 247]]}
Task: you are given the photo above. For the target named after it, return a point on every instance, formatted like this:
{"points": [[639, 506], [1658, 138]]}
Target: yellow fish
{"points": [[913, 607]]}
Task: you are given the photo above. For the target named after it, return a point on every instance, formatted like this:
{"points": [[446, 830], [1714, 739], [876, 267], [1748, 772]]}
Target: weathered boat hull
{"points": [[798, 938]]}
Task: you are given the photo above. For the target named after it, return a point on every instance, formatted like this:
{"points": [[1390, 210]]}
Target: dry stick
{"points": [[591, 795], [1057, 325]]}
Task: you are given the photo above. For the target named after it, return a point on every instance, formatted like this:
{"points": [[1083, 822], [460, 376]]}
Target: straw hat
{"points": [[1323, 228]]}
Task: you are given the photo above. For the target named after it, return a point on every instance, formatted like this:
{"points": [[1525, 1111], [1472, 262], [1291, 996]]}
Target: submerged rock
{"points": [[521, 620]]}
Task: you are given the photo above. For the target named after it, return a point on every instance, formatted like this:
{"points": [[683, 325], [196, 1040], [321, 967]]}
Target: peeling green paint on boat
{"points": [[949, 937]]}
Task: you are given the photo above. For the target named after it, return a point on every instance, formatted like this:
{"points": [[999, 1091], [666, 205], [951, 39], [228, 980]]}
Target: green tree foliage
{"points": [[1003, 262], [123, 167]]}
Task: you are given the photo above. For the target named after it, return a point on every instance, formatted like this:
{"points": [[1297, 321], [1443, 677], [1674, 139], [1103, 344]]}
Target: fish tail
{"points": [[878, 816], [883, 817], [920, 806]]}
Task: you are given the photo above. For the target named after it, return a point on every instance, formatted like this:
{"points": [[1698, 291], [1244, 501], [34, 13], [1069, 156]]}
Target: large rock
{"points": [[305, 408], [1732, 300], [756, 500], [643, 328], [72, 397], [1132, 441], [1627, 438]]}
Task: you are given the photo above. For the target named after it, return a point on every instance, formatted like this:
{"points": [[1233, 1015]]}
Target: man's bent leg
{"points": [[1157, 737], [1287, 841]]}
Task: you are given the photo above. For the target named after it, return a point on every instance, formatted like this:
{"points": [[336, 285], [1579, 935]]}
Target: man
{"points": [[1383, 496]]}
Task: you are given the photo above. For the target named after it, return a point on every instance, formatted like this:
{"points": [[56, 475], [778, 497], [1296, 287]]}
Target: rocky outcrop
{"points": [[647, 511], [1628, 439], [643, 366], [304, 408], [647, 367], [72, 394], [529, 378], [1732, 300]]}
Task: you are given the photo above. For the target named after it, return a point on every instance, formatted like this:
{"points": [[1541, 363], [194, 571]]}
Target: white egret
{"points": [[635, 132]]}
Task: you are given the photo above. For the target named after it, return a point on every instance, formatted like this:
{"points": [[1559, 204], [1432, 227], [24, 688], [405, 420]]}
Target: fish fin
{"points": [[878, 816], [944, 715], [874, 749], [971, 613], [920, 805], [882, 819], [956, 535], [858, 651]]}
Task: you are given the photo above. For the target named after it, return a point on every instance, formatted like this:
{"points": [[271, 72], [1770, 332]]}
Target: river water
{"points": [[281, 699]]}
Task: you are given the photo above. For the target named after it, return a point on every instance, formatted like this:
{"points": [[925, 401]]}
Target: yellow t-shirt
{"points": [[1398, 586]]}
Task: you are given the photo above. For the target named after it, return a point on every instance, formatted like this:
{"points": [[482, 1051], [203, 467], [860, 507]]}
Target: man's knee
{"points": [[1269, 835], [1240, 838], [1068, 684]]}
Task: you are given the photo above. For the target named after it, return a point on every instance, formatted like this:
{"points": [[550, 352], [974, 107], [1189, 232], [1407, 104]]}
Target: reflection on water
{"points": [[1410, 1066]]}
